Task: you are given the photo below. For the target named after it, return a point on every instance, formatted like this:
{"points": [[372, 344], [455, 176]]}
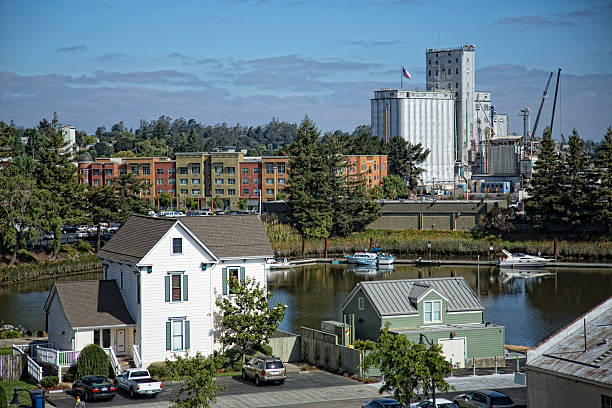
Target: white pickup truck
{"points": [[138, 381]]}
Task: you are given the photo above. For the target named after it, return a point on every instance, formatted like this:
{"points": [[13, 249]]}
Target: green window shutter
{"points": [[224, 277], [168, 335], [242, 273], [167, 288], [187, 342], [185, 288]]}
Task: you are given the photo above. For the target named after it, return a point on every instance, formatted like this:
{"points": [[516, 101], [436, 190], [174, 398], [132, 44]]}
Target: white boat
{"points": [[362, 258], [279, 264], [520, 260], [385, 259]]}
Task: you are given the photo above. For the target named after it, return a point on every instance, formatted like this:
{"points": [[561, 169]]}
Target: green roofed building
{"points": [[445, 310]]}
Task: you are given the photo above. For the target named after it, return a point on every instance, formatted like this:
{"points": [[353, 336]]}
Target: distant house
{"points": [[162, 277], [445, 310], [573, 367]]}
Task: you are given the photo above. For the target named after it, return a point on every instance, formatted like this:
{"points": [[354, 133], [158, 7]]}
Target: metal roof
{"points": [[564, 353], [393, 297]]}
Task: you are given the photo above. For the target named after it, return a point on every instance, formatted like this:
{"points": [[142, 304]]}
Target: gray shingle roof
{"points": [[393, 297], [226, 236], [92, 303]]}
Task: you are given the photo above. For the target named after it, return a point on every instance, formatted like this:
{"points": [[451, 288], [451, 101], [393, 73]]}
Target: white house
{"points": [[167, 273]]}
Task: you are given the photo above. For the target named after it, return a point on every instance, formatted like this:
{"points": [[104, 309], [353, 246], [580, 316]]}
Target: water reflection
{"points": [[531, 309]]}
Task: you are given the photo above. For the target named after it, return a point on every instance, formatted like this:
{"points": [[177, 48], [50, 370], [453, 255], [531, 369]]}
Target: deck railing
{"points": [[68, 358], [34, 369], [136, 356], [113, 360], [46, 355]]}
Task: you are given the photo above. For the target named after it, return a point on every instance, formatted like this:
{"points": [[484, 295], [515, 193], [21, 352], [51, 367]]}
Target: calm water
{"points": [[531, 310]]}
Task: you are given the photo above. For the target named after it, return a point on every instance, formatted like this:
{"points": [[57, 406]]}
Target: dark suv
{"points": [[264, 369]]}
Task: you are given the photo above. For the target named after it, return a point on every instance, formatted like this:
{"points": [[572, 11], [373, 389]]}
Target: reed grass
{"points": [[407, 243], [50, 269]]}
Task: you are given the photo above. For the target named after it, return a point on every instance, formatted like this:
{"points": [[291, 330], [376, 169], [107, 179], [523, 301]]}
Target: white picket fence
{"points": [[136, 356]]}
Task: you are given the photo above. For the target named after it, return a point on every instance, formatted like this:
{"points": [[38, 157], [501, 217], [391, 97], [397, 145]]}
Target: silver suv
{"points": [[485, 399], [264, 369]]}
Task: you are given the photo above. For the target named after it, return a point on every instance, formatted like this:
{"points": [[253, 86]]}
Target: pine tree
{"points": [[604, 173], [404, 160], [542, 207], [56, 175]]}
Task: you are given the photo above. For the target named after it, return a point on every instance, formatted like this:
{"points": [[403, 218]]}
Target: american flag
{"points": [[405, 73]]}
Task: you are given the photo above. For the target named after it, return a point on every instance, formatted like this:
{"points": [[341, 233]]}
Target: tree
{"points": [[604, 171], [309, 184], [247, 318], [124, 153], [164, 200], [198, 387], [543, 206], [406, 367], [394, 187], [57, 178], [92, 360], [103, 150], [404, 160]]}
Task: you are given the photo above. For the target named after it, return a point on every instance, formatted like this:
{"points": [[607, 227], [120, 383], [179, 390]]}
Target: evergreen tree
{"points": [[542, 207], [404, 160], [56, 176], [604, 173]]}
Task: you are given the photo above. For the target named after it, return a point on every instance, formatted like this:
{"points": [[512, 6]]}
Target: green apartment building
{"points": [[445, 311]]}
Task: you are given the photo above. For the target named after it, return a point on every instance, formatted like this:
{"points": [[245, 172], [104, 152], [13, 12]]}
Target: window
{"points": [[183, 170], [96, 337], [160, 181], [361, 303], [184, 191], [429, 72], [159, 171], [456, 84], [160, 190], [219, 191], [171, 170], [195, 181], [146, 169], [218, 169], [269, 191], [281, 181], [96, 182], [245, 170], [257, 191], [256, 170], [138, 288], [436, 72], [432, 311], [171, 190], [449, 61], [256, 181], [195, 170], [95, 172], [184, 181], [231, 181], [230, 275], [245, 181], [177, 245], [176, 287], [429, 62], [270, 181], [449, 71], [269, 169], [245, 191], [456, 59], [606, 401], [195, 191], [108, 172], [230, 170], [231, 191], [172, 181], [107, 182], [177, 334], [175, 294], [134, 169], [281, 168], [106, 337], [218, 181], [456, 71]]}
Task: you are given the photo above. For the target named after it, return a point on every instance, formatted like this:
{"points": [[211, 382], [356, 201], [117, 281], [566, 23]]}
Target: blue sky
{"points": [[240, 61]]}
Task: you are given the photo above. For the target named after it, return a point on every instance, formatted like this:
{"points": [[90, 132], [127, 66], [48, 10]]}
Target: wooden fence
{"points": [[12, 366], [322, 349], [286, 346]]}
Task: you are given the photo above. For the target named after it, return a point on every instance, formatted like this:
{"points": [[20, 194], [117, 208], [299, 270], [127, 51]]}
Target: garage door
{"points": [[454, 349]]}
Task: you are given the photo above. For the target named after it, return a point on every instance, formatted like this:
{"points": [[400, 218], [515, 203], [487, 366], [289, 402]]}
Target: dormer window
{"points": [[432, 311]]}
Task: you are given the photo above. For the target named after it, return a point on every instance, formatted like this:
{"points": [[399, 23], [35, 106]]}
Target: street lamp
{"points": [[433, 384]]}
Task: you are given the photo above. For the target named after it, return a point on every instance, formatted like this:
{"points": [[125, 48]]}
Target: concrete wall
{"points": [[546, 390]]}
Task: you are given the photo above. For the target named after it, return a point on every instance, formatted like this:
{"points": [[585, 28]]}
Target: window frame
{"points": [[360, 303], [174, 245], [432, 311]]}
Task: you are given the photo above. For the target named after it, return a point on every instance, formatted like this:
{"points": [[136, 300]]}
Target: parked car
{"points": [[264, 369], [82, 233], [93, 387], [382, 403], [440, 403], [484, 398], [138, 381]]}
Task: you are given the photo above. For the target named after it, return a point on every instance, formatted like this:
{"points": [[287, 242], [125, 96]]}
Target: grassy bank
{"points": [[50, 269], [407, 243]]}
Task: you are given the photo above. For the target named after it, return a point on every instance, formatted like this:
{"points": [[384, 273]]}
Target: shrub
{"points": [[158, 370], [49, 382], [3, 400], [70, 374], [83, 246], [9, 334], [69, 249], [92, 361], [263, 348]]}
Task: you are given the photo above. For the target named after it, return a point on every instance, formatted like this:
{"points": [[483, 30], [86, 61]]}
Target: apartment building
{"points": [[250, 181], [369, 168], [193, 177], [274, 176], [225, 177]]}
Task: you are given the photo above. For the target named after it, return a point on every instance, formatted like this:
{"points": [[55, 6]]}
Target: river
{"points": [[530, 309]]}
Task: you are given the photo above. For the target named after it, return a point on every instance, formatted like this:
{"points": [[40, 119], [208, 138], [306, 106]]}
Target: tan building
{"points": [[225, 177], [192, 178]]}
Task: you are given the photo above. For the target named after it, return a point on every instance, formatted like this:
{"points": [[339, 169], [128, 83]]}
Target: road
{"points": [[317, 389]]}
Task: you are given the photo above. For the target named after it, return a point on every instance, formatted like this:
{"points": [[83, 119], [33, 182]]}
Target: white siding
{"points": [[58, 324], [82, 339]]}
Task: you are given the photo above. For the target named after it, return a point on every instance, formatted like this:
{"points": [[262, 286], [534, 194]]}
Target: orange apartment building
{"points": [[370, 168]]}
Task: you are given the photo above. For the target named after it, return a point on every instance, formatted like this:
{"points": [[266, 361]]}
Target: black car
{"points": [[93, 387]]}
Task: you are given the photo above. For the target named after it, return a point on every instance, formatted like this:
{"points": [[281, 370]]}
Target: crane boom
{"points": [[552, 118], [535, 126]]}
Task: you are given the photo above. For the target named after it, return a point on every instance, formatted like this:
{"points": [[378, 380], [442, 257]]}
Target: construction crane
{"points": [[552, 118], [535, 126]]}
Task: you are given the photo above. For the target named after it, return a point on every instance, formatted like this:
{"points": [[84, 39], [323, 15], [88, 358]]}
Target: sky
{"points": [[99, 62]]}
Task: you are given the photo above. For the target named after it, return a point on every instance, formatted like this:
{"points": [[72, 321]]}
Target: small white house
{"points": [[167, 273]]}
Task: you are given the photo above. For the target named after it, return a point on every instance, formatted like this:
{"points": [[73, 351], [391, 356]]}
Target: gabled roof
{"points": [[91, 303], [226, 236], [399, 297], [564, 354]]}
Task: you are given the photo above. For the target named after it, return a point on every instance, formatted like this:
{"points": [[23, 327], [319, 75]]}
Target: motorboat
{"points": [[383, 258], [520, 260], [362, 258], [426, 262], [279, 264]]}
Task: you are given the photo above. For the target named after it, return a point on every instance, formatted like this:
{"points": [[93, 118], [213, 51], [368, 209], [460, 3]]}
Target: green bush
{"points": [[92, 361], [49, 382], [9, 334], [3, 400], [158, 370], [70, 374], [83, 246], [69, 249], [264, 349]]}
